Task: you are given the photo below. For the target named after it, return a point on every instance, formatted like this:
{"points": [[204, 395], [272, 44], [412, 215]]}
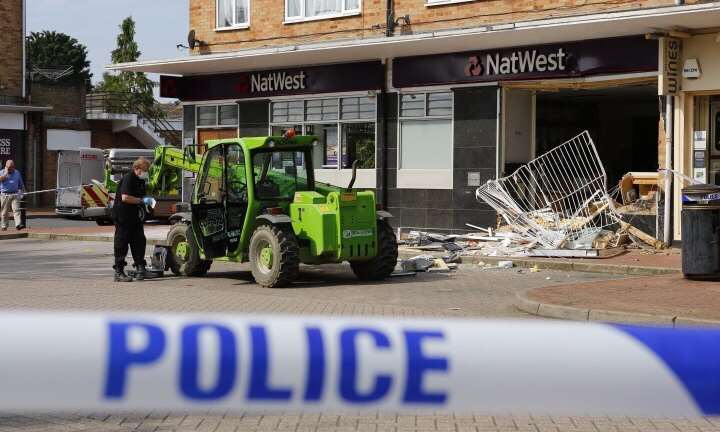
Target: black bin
{"points": [[701, 232]]}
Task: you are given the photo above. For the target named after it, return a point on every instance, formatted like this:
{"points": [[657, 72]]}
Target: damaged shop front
{"points": [[512, 105]]}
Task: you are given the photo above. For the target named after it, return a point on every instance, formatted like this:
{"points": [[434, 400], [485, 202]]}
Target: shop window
{"points": [[287, 111], [426, 144], [345, 128], [214, 115], [426, 105], [358, 143], [357, 108], [233, 13], [425, 158], [228, 115], [321, 109], [299, 10], [207, 116]]}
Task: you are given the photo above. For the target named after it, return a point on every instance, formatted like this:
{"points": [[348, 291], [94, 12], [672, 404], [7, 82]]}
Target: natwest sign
{"points": [[277, 81], [517, 62], [562, 60], [307, 80]]}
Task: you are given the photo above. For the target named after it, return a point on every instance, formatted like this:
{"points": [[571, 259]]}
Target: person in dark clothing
{"points": [[129, 232]]}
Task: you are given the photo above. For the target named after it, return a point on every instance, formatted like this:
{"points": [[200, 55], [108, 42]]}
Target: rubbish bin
{"points": [[701, 232]]}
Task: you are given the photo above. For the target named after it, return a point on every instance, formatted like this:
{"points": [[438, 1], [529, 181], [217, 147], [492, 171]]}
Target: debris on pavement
{"points": [[556, 205]]}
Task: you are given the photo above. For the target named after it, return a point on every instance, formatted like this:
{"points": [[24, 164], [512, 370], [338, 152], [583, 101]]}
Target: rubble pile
{"points": [[556, 205]]}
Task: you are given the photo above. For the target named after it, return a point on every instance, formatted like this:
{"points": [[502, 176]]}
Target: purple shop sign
{"points": [[560, 60], [303, 80]]}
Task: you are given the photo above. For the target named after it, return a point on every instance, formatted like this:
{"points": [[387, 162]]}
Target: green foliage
{"points": [[135, 86], [53, 50], [365, 153]]}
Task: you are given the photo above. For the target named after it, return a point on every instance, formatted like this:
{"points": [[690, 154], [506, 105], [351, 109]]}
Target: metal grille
{"points": [[557, 198]]}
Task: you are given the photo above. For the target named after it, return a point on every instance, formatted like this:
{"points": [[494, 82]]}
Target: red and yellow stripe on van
{"points": [[94, 196]]}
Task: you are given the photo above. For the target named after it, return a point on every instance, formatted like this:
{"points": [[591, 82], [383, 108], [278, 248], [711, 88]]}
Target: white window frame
{"points": [[411, 178], [235, 26], [338, 176], [303, 18]]}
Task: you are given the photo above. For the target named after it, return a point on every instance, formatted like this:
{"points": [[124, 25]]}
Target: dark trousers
{"points": [[130, 236]]}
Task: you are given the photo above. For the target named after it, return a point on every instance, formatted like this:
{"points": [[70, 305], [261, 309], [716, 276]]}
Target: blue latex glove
{"points": [[147, 201]]}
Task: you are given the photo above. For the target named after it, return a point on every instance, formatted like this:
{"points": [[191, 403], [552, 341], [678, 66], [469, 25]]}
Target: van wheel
{"points": [[184, 253]]}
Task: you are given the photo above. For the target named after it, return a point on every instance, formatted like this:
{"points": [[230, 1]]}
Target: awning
{"points": [[595, 26]]}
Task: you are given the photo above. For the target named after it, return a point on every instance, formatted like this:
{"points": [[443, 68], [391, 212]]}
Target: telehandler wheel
{"points": [[274, 256], [184, 254], [384, 262]]}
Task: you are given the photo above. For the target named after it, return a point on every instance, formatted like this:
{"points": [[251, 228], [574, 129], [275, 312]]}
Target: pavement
{"points": [[670, 300], [75, 275], [39, 274]]}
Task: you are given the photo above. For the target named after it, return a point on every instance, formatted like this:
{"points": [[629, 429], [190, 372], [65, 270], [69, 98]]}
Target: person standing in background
{"points": [[11, 188]]}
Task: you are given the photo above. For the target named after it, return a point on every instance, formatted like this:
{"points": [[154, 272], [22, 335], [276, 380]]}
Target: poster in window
{"points": [[9, 145], [331, 147]]}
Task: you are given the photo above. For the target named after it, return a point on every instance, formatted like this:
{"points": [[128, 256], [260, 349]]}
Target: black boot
{"points": [[120, 276], [140, 272]]}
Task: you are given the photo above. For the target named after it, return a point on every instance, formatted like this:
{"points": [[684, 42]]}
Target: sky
{"points": [[160, 25]]}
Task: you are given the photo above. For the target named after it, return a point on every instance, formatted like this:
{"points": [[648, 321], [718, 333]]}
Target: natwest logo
{"points": [[277, 81], [516, 62]]}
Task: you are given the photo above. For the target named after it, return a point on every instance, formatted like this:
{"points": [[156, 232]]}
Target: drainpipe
{"points": [[24, 49], [390, 18], [669, 131]]}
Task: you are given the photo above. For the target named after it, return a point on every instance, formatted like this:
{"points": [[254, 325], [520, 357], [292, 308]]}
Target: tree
{"points": [[53, 50], [135, 86]]}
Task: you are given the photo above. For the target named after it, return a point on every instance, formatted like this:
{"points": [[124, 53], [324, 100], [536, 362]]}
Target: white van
{"points": [[76, 170]]}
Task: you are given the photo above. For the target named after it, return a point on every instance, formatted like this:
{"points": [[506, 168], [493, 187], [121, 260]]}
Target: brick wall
{"points": [[267, 28], [11, 47], [66, 99], [103, 137]]}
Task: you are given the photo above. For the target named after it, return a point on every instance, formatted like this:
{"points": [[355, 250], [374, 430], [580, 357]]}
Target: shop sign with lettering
{"points": [[307, 80], [670, 53], [561, 60], [9, 145]]}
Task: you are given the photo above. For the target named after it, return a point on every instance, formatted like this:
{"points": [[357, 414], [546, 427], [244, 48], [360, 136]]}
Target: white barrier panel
{"points": [[185, 363]]}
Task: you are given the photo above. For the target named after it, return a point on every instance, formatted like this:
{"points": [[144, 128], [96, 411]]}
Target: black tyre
{"points": [[274, 256], [104, 222], [384, 262], [184, 254]]}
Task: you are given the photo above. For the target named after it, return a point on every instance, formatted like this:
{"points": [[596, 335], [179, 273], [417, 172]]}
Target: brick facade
{"points": [[11, 47], [267, 16]]}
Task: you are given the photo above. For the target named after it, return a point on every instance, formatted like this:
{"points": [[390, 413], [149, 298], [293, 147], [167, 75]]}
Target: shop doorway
{"points": [[622, 120]]}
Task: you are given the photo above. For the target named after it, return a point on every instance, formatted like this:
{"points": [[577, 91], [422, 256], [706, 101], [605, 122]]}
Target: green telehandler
{"points": [[255, 200]]}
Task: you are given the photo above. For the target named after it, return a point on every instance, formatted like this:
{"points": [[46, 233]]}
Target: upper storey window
{"points": [[233, 14], [304, 10]]}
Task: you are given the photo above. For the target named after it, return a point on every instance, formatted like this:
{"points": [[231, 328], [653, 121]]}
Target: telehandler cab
{"points": [[255, 199]]}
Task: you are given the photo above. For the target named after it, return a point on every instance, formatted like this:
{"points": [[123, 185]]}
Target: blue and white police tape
{"points": [[121, 362]]}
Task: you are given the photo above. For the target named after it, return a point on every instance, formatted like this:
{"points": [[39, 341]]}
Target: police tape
{"points": [[183, 363]]}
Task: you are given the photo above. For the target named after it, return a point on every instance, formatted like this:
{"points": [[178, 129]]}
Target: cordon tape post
{"points": [[59, 362]]}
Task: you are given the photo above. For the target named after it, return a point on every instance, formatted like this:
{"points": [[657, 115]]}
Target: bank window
{"points": [[217, 115], [299, 10], [233, 13], [345, 128], [426, 105], [289, 111], [358, 108], [426, 131], [321, 109]]}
